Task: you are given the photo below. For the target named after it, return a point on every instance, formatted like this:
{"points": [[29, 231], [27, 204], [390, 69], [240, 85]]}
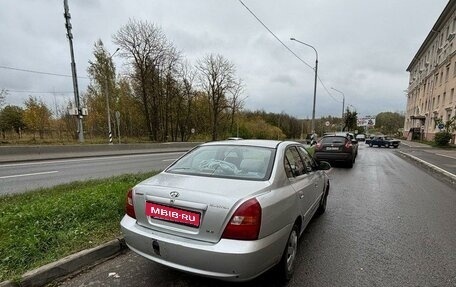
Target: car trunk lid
{"points": [[196, 207]]}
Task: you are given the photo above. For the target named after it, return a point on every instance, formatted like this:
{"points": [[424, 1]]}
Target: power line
{"points": [[286, 47], [272, 33], [37, 92], [327, 91], [38, 72]]}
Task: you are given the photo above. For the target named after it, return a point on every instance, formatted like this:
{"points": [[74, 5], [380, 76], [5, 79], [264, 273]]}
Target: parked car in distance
{"points": [[229, 210], [337, 148], [368, 139], [360, 137], [384, 141]]}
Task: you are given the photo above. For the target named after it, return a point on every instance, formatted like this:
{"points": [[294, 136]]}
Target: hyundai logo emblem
{"points": [[174, 194]]}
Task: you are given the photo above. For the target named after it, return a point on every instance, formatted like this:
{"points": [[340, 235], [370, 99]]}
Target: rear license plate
{"points": [[173, 214], [332, 148]]}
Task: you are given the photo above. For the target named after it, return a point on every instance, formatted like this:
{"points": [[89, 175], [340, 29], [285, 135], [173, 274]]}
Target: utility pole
{"points": [[73, 71]]}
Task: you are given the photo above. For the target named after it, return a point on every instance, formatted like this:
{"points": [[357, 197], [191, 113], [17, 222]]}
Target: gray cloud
{"points": [[364, 46]]}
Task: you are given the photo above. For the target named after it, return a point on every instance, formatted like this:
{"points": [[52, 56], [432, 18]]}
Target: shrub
{"points": [[442, 138]]}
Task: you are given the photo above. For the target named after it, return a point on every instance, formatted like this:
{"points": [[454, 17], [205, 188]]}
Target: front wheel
{"points": [[387, 145], [370, 145], [287, 263]]}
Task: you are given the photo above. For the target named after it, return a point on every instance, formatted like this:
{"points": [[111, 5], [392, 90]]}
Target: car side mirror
{"points": [[324, 165]]}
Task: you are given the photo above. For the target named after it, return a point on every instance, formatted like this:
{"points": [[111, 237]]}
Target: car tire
{"points": [[387, 145], [396, 146], [288, 261], [322, 206], [370, 145], [350, 163]]}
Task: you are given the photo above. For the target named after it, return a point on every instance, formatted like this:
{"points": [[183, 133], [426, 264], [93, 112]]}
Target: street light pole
{"points": [[343, 106], [107, 97], [315, 82]]}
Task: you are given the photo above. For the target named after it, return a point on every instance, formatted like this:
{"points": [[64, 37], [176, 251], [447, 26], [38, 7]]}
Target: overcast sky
{"points": [[364, 46]]}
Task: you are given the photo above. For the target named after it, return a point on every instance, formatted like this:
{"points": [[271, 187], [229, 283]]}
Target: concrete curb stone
{"points": [[68, 265]]}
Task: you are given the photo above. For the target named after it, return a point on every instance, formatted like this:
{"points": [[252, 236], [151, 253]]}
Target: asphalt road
{"points": [[388, 223], [22, 177]]}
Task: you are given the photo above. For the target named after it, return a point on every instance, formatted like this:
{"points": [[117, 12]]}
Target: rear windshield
{"points": [[230, 161], [333, 140]]}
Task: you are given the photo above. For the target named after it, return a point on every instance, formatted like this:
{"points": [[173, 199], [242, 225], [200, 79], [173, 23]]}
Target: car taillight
{"points": [[129, 208], [245, 223]]}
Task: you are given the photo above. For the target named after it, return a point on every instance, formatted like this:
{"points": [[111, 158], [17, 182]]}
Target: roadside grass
{"points": [[311, 150], [42, 226]]}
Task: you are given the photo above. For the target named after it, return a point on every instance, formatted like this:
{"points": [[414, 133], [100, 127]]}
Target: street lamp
{"points": [[107, 97], [315, 82], [343, 104]]}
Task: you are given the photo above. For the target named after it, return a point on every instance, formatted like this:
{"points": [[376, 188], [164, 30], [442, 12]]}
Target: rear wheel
{"points": [[370, 144], [350, 163], [288, 261], [322, 207], [387, 145]]}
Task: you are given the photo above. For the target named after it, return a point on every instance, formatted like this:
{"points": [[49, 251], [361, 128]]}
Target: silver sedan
{"points": [[229, 210]]}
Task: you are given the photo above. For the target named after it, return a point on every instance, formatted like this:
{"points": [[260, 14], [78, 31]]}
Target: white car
{"points": [[360, 137]]}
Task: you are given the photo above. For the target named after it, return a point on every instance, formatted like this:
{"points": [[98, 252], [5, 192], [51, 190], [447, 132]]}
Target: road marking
{"points": [[172, 159], [444, 155], [28, 174], [84, 159]]}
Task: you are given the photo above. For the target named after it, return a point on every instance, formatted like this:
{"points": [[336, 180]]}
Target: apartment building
{"points": [[431, 92]]}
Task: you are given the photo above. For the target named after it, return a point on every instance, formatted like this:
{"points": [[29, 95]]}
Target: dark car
{"points": [[384, 141], [336, 148]]}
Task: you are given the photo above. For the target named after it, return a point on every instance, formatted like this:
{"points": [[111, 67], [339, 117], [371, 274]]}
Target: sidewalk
{"points": [[441, 161]]}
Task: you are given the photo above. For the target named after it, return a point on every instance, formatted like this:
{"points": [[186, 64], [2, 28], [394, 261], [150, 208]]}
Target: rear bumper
{"points": [[231, 260], [326, 156]]}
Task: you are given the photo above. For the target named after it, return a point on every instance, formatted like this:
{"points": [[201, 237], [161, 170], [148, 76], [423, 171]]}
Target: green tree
{"points": [[102, 88], [389, 122], [36, 116], [11, 118], [350, 120]]}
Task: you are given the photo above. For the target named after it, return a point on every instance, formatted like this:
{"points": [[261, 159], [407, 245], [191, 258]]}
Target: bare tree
{"points": [[144, 45], [236, 101], [216, 77], [3, 94]]}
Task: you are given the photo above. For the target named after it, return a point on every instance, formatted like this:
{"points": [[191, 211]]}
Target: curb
{"points": [[451, 177], [68, 265]]}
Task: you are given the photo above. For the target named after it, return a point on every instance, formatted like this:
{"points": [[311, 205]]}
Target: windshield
{"points": [[232, 161]]}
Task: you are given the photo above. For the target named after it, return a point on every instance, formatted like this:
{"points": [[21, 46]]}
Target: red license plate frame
{"points": [[173, 214]]}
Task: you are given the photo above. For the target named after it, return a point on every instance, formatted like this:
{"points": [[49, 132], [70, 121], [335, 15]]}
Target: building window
{"points": [[447, 73], [443, 99], [452, 96], [441, 77], [433, 103], [438, 101]]}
